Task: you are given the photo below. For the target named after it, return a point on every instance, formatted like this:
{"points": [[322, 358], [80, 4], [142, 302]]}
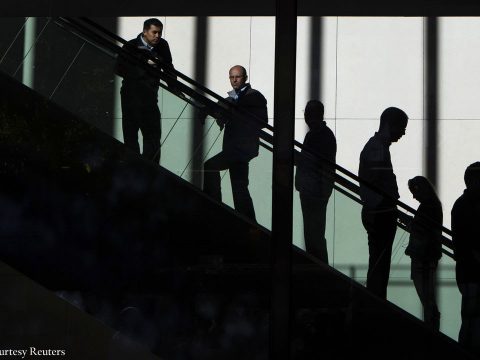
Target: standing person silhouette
{"points": [[139, 92], [379, 212], [424, 247], [314, 178], [466, 242], [241, 142]]}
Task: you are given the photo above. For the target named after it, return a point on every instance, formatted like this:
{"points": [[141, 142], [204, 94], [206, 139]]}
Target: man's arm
{"points": [[129, 60], [165, 55], [219, 115], [123, 64]]}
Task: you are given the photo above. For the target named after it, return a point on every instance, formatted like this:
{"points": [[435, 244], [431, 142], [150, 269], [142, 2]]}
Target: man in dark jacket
{"points": [[466, 241], [240, 142], [139, 92], [379, 212], [314, 179]]}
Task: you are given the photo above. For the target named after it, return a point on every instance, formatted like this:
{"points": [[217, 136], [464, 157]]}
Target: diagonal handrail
{"points": [[194, 89]]}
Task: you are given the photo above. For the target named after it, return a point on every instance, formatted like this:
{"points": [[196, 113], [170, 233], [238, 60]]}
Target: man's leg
{"points": [[211, 175], [314, 210], [130, 120], [381, 229], [241, 196], [151, 128]]}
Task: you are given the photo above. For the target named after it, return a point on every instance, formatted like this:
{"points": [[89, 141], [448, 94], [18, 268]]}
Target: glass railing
{"points": [[81, 79], [347, 245], [12, 46], [84, 83]]}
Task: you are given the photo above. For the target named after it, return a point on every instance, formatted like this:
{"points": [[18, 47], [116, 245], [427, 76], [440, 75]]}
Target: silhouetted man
{"points": [[314, 178], [466, 241], [139, 92], [240, 142], [379, 212]]}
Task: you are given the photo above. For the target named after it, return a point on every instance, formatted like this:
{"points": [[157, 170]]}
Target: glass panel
{"points": [[55, 51], [449, 298], [71, 72], [349, 240], [12, 36], [260, 186], [177, 117], [401, 291]]}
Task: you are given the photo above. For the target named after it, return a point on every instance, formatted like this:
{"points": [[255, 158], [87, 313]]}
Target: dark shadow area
{"points": [[315, 57], [12, 33], [70, 74]]}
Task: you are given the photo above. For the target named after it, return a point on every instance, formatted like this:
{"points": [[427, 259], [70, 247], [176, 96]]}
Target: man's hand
{"points": [[405, 219], [220, 123]]}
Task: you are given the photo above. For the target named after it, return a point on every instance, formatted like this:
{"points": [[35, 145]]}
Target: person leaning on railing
{"points": [[139, 92]]}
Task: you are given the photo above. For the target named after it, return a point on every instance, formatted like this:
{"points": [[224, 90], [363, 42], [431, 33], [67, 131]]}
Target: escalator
{"points": [[96, 219]]}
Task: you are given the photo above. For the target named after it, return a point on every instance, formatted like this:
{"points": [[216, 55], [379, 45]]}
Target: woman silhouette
{"points": [[424, 247]]}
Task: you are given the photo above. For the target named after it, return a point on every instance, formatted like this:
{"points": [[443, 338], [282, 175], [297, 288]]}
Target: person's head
{"points": [[472, 176], [313, 113], [393, 123], [422, 189], [152, 31], [238, 77]]}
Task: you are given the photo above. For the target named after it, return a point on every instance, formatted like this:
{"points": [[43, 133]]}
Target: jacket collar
{"points": [[236, 95], [142, 43]]}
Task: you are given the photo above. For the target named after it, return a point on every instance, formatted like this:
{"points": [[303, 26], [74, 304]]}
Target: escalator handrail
{"points": [[353, 188], [264, 135]]}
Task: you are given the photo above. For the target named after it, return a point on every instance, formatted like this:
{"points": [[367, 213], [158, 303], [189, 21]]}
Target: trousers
{"points": [[314, 210], [381, 228], [140, 112], [238, 177]]}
